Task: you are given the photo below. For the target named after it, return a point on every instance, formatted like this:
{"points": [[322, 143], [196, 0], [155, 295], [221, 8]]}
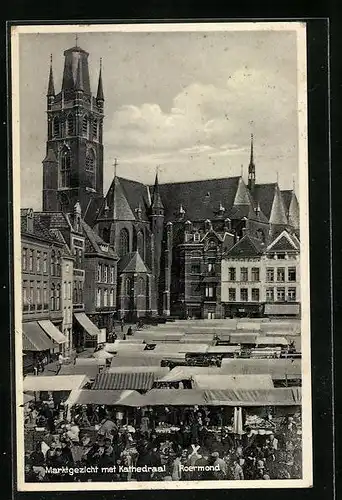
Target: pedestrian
{"points": [[122, 324]]}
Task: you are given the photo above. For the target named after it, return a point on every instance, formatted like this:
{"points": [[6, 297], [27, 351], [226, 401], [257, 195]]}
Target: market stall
{"points": [[279, 369], [236, 382], [136, 380]]}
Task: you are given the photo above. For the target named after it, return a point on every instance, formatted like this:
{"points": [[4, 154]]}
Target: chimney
{"points": [[27, 220]]}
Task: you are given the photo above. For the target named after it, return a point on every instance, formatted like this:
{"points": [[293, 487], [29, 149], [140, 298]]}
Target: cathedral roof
{"points": [[123, 199], [132, 263], [199, 199], [95, 244], [287, 197], [264, 194], [247, 246], [54, 220]]}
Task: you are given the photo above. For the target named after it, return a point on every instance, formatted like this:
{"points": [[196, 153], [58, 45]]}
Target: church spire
{"points": [[251, 167], [156, 199], [99, 95], [51, 85]]}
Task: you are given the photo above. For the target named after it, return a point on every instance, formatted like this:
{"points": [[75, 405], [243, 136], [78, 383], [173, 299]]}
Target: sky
{"points": [[185, 102]]}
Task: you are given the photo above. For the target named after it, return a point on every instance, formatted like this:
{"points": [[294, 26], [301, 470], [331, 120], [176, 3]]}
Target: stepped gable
{"points": [[199, 199], [132, 263], [247, 247]]}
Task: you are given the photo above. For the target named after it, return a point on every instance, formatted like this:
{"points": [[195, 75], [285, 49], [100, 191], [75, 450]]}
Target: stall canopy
{"points": [[90, 361], [125, 347], [188, 372], [54, 383], [288, 396], [285, 309], [34, 338], [102, 354], [236, 382], [52, 331], [207, 338], [165, 397], [130, 340], [249, 326], [118, 381], [160, 371], [87, 324], [27, 398], [89, 370], [193, 348], [243, 338], [279, 369], [274, 341], [98, 397], [224, 349], [154, 337], [133, 361]]}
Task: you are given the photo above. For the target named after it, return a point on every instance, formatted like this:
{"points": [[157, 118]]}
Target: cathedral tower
{"points": [[73, 166]]}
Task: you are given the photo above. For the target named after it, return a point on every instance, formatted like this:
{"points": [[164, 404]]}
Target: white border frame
{"points": [[300, 29]]}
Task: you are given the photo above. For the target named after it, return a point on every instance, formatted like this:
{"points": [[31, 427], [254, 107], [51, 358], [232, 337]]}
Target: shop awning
{"points": [[89, 370], [34, 338], [211, 279], [119, 381], [287, 396], [188, 372], [54, 382], [272, 341], [279, 369], [52, 331], [286, 309], [133, 361], [172, 397], [87, 324], [236, 382], [98, 397]]}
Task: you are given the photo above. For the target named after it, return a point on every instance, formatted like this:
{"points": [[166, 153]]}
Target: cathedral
{"points": [[163, 242]]}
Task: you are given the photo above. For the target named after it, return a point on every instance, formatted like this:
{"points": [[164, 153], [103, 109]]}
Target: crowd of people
{"points": [[190, 443]]}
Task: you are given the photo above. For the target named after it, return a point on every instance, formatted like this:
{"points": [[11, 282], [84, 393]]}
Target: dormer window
{"points": [[197, 236]]}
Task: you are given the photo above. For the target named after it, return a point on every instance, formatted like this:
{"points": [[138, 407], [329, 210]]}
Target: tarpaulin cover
{"points": [[102, 354], [130, 340], [288, 396], [248, 325], [98, 397], [27, 398], [118, 347], [149, 337], [87, 324], [237, 382], [35, 339], [52, 331], [141, 360], [54, 383], [278, 368], [132, 380], [188, 372], [89, 370], [191, 348]]}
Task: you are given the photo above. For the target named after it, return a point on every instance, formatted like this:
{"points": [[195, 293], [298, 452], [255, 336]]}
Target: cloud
{"points": [[204, 116]]}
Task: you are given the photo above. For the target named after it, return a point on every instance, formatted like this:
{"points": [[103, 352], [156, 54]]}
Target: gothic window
{"points": [[85, 126], [52, 297], [65, 168], [80, 294], [71, 125], [95, 128], [111, 298], [129, 286], [105, 298], [56, 127], [58, 264], [90, 168], [141, 244], [52, 263], [98, 298], [141, 286], [106, 234], [58, 298], [124, 242], [75, 296]]}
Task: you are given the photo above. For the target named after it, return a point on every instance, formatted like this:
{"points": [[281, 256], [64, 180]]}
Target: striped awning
{"points": [[121, 381], [34, 338], [52, 331]]}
